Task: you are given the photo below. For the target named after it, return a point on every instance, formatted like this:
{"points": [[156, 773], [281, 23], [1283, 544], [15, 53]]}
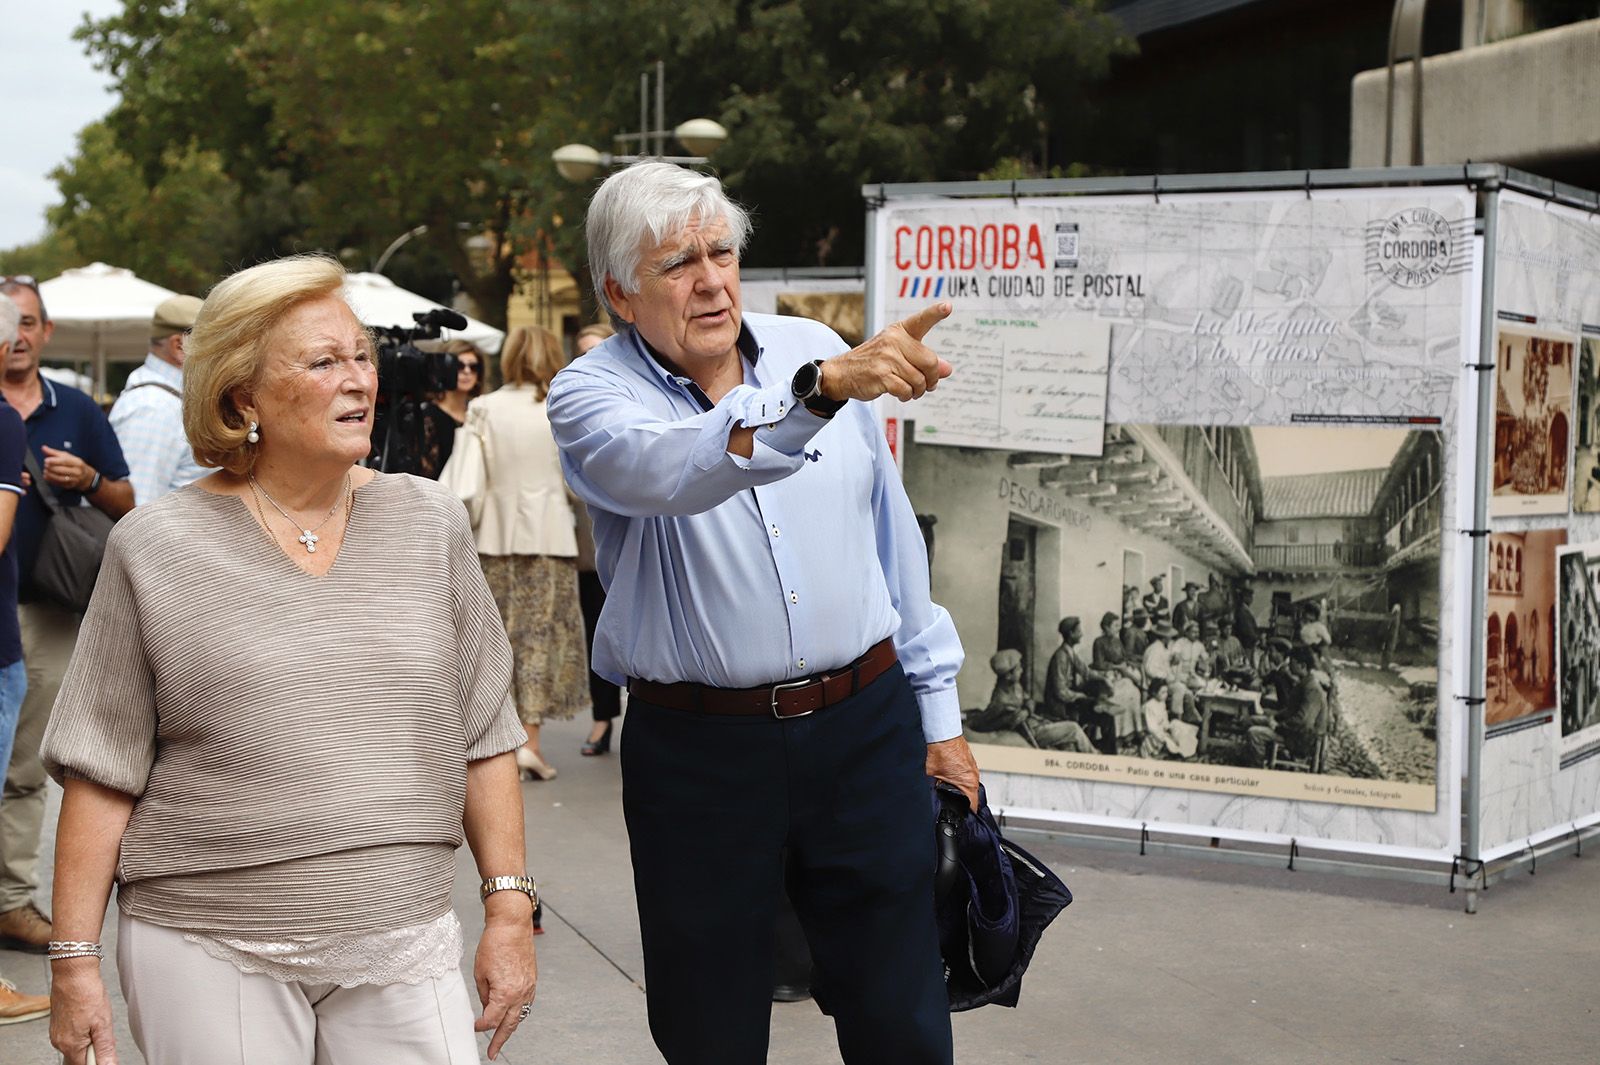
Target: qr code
{"points": [[1066, 245]]}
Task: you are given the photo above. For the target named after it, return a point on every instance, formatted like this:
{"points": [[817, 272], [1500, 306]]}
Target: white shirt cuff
{"points": [[941, 715]]}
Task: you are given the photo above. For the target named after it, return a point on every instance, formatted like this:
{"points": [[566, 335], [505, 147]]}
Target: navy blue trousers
{"points": [[713, 805]]}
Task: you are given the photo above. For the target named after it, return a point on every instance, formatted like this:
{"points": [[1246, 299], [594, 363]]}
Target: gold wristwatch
{"points": [[525, 884]]}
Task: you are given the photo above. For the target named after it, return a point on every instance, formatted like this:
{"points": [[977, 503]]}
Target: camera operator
{"points": [[413, 431]]}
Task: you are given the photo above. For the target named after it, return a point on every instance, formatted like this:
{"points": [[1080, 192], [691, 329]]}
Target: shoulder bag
{"points": [[71, 548]]}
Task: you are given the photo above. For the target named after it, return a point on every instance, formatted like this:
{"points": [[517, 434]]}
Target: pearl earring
{"points": [[253, 436]]}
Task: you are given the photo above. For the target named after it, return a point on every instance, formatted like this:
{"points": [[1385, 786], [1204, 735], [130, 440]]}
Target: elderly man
{"points": [[792, 686], [80, 460], [148, 416]]}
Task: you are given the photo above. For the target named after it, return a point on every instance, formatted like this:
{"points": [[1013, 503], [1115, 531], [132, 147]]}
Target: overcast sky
{"points": [[51, 92]]}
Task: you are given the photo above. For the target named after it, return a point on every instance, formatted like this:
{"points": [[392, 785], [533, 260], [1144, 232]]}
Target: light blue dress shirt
{"points": [[149, 426], [737, 572]]}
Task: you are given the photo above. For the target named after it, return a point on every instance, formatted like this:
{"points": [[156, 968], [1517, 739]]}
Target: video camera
{"points": [[407, 376]]}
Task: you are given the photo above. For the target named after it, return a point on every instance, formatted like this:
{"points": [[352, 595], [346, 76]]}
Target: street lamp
{"points": [[701, 136]]}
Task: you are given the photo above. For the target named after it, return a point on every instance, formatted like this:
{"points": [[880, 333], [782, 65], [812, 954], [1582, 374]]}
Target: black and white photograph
{"points": [[1586, 414], [1266, 599], [1521, 630], [1579, 619], [1532, 422]]}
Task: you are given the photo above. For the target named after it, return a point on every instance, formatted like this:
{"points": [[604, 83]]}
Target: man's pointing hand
{"points": [[895, 362]]}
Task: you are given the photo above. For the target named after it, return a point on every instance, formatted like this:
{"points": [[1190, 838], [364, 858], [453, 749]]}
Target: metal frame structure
{"points": [[1486, 179]]}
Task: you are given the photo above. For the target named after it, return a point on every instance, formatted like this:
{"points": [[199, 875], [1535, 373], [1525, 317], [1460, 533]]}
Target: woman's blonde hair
{"points": [[228, 345], [531, 356], [597, 329]]}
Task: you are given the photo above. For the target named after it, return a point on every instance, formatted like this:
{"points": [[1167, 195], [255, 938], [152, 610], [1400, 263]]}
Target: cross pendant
{"points": [[310, 539]]}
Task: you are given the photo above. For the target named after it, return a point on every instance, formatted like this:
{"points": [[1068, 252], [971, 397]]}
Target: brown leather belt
{"points": [[794, 698]]}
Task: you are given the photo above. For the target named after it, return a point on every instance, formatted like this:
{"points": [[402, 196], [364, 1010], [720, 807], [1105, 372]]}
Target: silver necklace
{"points": [[308, 537]]}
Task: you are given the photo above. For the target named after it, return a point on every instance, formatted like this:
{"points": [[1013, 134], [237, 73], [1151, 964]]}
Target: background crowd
{"points": [[1144, 684]]}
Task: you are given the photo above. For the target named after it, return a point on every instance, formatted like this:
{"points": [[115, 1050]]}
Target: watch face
{"points": [[806, 380]]}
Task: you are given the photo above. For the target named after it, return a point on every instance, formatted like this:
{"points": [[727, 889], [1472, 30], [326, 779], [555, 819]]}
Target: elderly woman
{"points": [[509, 473], [288, 706]]}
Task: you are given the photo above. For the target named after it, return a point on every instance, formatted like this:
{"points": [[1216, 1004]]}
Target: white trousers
{"points": [[187, 1008]]}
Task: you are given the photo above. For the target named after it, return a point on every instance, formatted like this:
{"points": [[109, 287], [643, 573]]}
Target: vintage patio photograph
{"points": [[1532, 422], [1521, 632], [1265, 599]]}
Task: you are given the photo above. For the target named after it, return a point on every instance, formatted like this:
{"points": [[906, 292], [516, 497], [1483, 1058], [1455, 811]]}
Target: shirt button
{"points": [[793, 598], [774, 530], [802, 663]]}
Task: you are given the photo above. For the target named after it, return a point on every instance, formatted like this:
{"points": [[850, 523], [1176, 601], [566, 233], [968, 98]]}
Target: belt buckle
{"points": [[789, 686]]}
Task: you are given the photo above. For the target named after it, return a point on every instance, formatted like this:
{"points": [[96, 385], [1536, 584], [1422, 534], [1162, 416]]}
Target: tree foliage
{"points": [[248, 128]]}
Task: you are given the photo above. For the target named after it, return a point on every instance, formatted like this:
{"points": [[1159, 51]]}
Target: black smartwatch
{"points": [[807, 389]]}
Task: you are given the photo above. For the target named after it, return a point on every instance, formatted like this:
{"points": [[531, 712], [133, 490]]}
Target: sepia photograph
{"points": [[1266, 599], [1532, 430], [1521, 627], [1578, 615], [1586, 446]]}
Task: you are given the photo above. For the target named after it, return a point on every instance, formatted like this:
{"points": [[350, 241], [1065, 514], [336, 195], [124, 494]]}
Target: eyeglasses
{"points": [[27, 280], [469, 367]]}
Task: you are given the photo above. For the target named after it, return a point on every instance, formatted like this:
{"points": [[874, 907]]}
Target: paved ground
{"points": [[1160, 959]]}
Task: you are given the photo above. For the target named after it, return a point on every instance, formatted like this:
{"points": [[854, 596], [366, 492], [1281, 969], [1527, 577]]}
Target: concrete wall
{"points": [[1523, 101]]}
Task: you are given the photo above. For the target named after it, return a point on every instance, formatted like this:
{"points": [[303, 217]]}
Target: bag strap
{"points": [[156, 384], [31, 463]]}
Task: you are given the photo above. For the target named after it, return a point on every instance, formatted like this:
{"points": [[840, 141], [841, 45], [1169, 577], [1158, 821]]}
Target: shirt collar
{"points": [[47, 390], [746, 344], [163, 369]]}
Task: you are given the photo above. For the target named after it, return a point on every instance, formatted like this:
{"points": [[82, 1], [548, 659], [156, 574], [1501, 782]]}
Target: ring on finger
{"points": [[522, 1014]]}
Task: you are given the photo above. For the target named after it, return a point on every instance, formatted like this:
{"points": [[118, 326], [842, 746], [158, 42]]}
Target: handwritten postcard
{"points": [[1035, 384]]}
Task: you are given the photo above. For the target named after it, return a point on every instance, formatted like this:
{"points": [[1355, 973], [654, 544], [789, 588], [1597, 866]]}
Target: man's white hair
{"points": [[651, 198], [10, 319]]}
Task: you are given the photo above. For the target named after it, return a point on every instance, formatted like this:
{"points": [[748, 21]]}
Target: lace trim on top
{"points": [[410, 955]]}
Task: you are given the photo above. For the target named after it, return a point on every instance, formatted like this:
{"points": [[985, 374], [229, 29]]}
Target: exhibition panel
{"points": [[1209, 498]]}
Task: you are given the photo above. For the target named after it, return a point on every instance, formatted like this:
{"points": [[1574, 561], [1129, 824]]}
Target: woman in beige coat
{"points": [[506, 468]]}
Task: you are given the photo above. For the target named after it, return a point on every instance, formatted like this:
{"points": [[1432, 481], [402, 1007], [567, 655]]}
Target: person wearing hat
{"points": [[148, 416], [1010, 710], [72, 445], [1189, 609], [1160, 664], [1155, 601], [1244, 620], [1136, 635]]}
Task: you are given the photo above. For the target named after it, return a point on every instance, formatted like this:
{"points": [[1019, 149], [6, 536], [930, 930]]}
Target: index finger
{"points": [[508, 1024], [919, 324]]}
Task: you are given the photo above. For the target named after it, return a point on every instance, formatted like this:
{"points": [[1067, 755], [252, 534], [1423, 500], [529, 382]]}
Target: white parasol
{"points": [[100, 312]]}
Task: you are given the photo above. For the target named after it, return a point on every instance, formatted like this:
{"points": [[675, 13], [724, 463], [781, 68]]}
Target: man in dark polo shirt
{"points": [[81, 461]]}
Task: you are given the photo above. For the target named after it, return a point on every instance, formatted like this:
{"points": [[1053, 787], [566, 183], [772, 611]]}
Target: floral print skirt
{"points": [[538, 600]]}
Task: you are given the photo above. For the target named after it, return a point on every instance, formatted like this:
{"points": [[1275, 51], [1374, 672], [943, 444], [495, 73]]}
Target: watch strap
{"points": [[525, 884]]}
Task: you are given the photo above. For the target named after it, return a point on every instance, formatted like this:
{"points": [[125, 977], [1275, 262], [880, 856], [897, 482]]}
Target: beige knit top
{"points": [[297, 744]]}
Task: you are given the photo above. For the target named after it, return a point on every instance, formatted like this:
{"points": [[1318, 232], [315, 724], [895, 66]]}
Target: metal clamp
{"points": [[790, 686]]}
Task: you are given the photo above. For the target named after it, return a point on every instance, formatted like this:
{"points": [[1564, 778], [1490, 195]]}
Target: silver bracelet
{"points": [[70, 948]]}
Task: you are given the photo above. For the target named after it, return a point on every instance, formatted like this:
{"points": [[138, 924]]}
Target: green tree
{"points": [[342, 126], [43, 259], [176, 232]]}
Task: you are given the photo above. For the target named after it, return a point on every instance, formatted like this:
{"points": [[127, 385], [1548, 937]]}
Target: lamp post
{"points": [[701, 136], [400, 241]]}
